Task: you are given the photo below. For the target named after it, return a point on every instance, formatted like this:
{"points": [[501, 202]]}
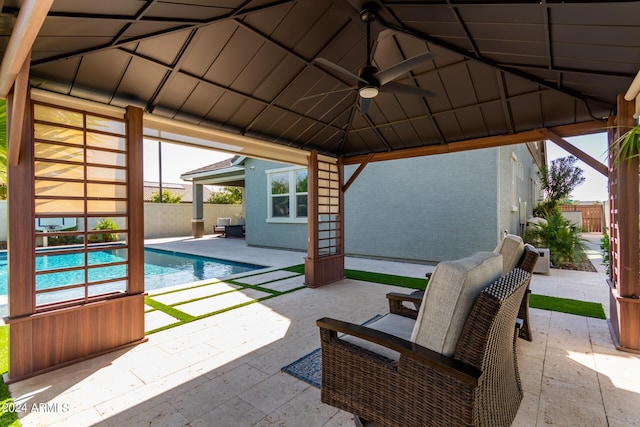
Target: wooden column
{"points": [[135, 198], [624, 283], [325, 261], [21, 263]]}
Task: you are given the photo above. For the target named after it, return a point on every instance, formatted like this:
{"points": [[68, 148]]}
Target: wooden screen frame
{"points": [[322, 267], [42, 341]]}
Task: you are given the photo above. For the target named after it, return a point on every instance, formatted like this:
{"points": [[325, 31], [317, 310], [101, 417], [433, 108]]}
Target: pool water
{"points": [[161, 268]]}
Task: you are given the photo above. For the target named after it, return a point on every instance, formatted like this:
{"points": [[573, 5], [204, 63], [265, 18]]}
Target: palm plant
{"points": [[106, 224], [627, 146], [560, 236]]}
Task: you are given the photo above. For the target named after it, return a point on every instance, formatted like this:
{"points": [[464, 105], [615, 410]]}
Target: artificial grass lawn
{"points": [[566, 305], [386, 279], [367, 276], [543, 302], [563, 305], [182, 317], [7, 418]]}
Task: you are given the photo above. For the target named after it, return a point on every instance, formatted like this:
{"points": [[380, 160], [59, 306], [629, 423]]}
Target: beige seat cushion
{"points": [[221, 222], [447, 301], [393, 324], [511, 247]]}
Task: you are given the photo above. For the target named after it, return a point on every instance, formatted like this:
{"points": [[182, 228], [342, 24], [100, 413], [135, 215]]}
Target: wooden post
{"points": [[312, 206], [135, 196], [21, 262], [325, 206], [625, 287]]}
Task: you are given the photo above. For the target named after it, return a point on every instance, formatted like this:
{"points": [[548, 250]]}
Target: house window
{"points": [[287, 195]]}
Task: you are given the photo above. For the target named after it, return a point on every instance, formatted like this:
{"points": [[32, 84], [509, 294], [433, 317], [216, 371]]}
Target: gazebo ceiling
{"points": [[243, 65]]}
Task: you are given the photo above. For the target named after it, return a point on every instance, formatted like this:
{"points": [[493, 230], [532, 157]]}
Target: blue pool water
{"points": [[161, 268]]}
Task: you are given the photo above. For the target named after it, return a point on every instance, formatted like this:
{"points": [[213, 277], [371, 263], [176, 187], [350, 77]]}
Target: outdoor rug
{"points": [[309, 367]]}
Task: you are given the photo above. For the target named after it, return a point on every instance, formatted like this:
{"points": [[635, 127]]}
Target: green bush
{"points": [[605, 246], [226, 196], [560, 236], [63, 240], [544, 208], [167, 197], [105, 224]]}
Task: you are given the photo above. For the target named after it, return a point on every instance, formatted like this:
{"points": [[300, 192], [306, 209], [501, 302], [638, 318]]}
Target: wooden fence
{"points": [[592, 216]]}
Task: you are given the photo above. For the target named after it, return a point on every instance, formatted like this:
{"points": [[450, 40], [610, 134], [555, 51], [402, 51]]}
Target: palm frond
{"points": [[627, 147]]}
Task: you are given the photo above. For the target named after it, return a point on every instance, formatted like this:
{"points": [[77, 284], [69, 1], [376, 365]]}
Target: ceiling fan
{"points": [[372, 81]]}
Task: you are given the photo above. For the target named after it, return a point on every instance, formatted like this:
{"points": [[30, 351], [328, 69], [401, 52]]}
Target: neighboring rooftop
{"points": [[222, 164], [227, 172], [183, 189]]}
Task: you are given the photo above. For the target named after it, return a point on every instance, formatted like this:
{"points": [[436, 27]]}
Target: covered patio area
{"points": [[319, 84], [226, 369]]}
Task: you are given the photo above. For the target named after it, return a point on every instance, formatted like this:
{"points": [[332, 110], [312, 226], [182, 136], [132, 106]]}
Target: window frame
{"points": [[516, 173], [291, 171]]}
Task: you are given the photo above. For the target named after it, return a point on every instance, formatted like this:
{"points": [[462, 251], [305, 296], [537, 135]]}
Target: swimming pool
{"points": [[161, 269]]}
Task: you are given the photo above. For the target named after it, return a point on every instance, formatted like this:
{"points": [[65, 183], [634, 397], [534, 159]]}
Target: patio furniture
{"points": [[393, 375], [236, 230], [221, 223], [515, 254]]}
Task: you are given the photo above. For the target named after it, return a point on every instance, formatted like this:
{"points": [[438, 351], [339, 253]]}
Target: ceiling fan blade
{"points": [[364, 105], [338, 69], [395, 71], [395, 87], [304, 98]]}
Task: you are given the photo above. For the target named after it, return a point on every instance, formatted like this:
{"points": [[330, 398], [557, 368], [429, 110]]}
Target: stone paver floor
{"points": [[224, 369]]}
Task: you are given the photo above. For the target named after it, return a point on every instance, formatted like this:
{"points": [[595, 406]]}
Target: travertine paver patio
{"points": [[224, 370]]}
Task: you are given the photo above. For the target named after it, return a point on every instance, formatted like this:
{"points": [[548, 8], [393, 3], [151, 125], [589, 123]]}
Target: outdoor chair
{"points": [[515, 253], [455, 365], [221, 223]]}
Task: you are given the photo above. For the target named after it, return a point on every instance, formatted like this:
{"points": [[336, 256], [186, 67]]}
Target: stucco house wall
{"points": [[512, 214], [424, 209], [259, 231], [420, 209]]}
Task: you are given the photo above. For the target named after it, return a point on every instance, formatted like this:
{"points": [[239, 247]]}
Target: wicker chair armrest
{"points": [[396, 307], [447, 365]]}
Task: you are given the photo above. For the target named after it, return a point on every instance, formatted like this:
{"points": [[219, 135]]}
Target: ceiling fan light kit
{"points": [[368, 91]]}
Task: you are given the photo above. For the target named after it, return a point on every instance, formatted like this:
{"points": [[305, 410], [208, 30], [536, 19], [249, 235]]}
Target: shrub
{"points": [[226, 196], [105, 224], [167, 197], [605, 246], [544, 208], [560, 236], [63, 240]]}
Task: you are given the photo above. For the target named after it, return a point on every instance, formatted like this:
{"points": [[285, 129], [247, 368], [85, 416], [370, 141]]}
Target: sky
{"points": [[178, 159], [595, 186]]}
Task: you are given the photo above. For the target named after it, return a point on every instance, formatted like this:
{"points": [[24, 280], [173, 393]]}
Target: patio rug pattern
{"points": [[309, 367]]}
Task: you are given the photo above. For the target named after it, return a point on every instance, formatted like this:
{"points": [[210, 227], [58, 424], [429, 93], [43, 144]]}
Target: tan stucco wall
{"points": [[163, 219], [174, 219]]}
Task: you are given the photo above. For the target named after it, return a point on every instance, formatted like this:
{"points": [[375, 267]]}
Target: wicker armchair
{"points": [[478, 385], [527, 256]]}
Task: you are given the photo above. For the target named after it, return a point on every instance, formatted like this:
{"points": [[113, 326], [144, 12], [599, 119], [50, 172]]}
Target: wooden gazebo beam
{"points": [[584, 128], [566, 145], [30, 19]]}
